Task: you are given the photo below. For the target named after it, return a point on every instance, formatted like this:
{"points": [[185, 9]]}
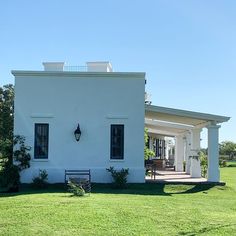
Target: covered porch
{"points": [[181, 129]]}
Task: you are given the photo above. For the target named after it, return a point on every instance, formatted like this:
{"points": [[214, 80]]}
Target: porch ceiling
{"points": [[166, 128], [162, 132]]}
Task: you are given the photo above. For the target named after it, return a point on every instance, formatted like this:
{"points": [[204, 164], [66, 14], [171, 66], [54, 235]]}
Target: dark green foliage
{"points": [[6, 112], [76, 188], [222, 163], [10, 177], [21, 155], [40, 181], [147, 152], [184, 165], [6, 123], [13, 163], [203, 163], [119, 177], [228, 148]]}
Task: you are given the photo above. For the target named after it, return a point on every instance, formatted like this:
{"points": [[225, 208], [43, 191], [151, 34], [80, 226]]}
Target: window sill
{"points": [[117, 160], [40, 160]]}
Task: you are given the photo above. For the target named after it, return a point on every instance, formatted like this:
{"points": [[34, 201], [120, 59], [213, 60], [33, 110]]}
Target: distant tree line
{"points": [[227, 150]]}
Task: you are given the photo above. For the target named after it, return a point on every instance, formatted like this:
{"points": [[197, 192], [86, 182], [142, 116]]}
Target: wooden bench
{"points": [[82, 177]]}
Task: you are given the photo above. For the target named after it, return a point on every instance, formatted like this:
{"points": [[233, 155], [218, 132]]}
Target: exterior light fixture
{"points": [[77, 133]]}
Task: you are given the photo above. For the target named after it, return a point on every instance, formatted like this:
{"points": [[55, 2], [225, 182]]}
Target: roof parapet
{"points": [[53, 66]]}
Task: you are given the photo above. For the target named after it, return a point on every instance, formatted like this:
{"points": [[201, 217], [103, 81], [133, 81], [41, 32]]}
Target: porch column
{"points": [[213, 153], [187, 153], [179, 154], [150, 143], [195, 168], [167, 149]]}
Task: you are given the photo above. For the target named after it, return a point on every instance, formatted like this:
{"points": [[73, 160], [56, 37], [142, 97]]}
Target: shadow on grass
{"points": [[197, 188], [159, 189], [136, 189], [28, 189], [205, 230]]}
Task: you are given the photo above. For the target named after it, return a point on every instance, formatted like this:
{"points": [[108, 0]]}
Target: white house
{"points": [[110, 109]]}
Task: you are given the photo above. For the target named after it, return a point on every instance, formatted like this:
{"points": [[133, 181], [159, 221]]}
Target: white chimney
{"points": [[99, 66], [53, 66]]}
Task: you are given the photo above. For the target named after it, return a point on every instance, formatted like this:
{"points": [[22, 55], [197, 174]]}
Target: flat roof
{"points": [[137, 75]]}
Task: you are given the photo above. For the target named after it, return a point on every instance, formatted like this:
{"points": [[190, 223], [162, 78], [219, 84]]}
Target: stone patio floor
{"points": [[166, 176]]}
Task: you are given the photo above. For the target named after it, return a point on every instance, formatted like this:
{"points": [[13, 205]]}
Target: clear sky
{"points": [[186, 47]]}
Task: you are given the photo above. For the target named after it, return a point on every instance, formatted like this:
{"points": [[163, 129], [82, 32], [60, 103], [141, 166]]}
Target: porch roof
{"points": [[171, 122]]}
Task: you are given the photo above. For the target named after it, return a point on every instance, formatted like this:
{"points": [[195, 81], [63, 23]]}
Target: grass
{"points": [[231, 163], [141, 209]]}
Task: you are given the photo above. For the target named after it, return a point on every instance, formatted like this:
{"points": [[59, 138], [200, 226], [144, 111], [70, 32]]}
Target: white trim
{"points": [[117, 117], [123, 75], [39, 160], [42, 115], [117, 160]]}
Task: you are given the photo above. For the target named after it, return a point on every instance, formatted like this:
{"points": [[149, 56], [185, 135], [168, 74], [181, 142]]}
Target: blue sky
{"points": [[186, 47]]}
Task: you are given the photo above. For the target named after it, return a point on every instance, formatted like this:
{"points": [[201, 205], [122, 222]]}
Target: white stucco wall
{"points": [[95, 101]]}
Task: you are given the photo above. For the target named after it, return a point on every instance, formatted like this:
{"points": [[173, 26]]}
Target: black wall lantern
{"points": [[77, 133]]}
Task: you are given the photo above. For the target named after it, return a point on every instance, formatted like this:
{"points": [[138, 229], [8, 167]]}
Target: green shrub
{"points": [[119, 177], [40, 181], [222, 163], [76, 188], [184, 166], [21, 155], [12, 162], [203, 163], [10, 178], [147, 152]]}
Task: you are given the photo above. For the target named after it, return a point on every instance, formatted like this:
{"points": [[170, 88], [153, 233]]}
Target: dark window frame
{"points": [[119, 147], [41, 142]]}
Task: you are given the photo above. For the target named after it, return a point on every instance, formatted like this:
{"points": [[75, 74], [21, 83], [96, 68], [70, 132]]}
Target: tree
{"points": [[9, 169], [6, 123], [147, 152], [228, 148], [6, 112]]}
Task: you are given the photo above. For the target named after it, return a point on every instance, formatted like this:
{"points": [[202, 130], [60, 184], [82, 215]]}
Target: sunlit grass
{"points": [[141, 209]]}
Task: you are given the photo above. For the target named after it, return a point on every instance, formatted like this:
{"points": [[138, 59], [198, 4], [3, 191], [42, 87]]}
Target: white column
{"points": [[175, 153], [167, 148], [179, 154], [213, 153], [150, 143], [187, 153], [195, 168]]}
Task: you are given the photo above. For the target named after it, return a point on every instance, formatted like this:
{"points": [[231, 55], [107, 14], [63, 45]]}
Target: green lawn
{"points": [[146, 209]]}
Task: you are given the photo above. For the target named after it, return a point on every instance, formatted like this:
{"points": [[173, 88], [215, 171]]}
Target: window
{"points": [[41, 132], [117, 142]]}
